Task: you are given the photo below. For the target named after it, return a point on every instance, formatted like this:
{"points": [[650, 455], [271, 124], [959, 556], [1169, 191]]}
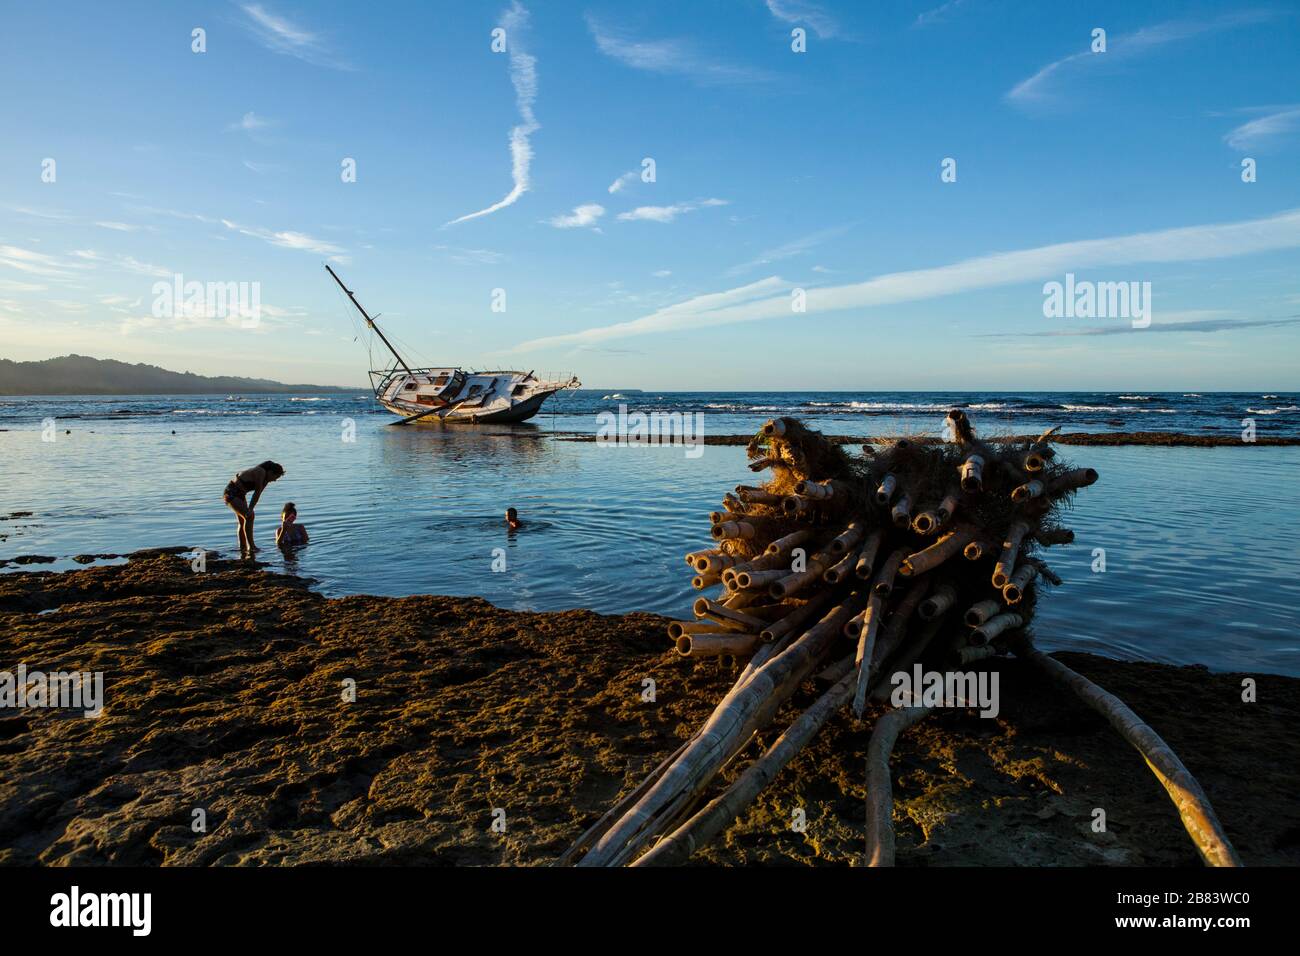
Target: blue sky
{"points": [[774, 170]]}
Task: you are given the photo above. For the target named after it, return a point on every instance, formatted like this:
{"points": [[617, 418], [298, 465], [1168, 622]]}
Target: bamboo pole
{"points": [[880, 793], [716, 645], [869, 624], [1188, 797], [790, 541], [895, 629], [677, 628], [733, 529], [994, 626], [1072, 481], [1014, 590], [676, 848], [927, 522], [901, 513], [702, 581], [720, 612], [796, 580], [948, 546], [759, 579], [977, 549], [1052, 536], [1010, 548], [1030, 489], [977, 614], [867, 556], [730, 723], [972, 473], [885, 491], [757, 496], [795, 619], [846, 539], [884, 582], [969, 655], [948, 507], [908, 655], [937, 603], [841, 570]]}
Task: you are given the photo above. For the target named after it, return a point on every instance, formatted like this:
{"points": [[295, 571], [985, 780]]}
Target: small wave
{"points": [[317, 399], [1268, 396], [1135, 398], [614, 397], [1273, 411]]}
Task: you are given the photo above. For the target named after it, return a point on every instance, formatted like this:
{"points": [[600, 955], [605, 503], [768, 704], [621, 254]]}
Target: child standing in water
{"points": [[253, 479], [512, 519], [290, 534]]}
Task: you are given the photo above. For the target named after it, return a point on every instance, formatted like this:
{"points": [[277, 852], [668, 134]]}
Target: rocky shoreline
{"points": [[226, 693]]}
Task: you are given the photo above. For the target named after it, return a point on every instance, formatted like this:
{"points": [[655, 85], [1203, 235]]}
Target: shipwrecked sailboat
{"points": [[444, 395]]}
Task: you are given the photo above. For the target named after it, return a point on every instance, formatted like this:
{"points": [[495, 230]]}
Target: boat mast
{"points": [[369, 321]]}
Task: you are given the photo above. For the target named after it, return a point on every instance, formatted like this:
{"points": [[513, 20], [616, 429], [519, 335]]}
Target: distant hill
{"points": [[81, 375]]}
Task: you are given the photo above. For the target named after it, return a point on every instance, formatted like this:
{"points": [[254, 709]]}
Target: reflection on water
{"points": [[1196, 570]]}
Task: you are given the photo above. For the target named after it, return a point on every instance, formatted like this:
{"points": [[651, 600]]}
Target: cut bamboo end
{"points": [[702, 581], [969, 655], [758, 579], [886, 489], [937, 603], [733, 529], [1013, 591], [792, 540], [993, 627], [716, 645], [901, 513], [1030, 489], [927, 522], [972, 473], [677, 628], [774, 427], [1033, 462], [977, 614], [1073, 480]]}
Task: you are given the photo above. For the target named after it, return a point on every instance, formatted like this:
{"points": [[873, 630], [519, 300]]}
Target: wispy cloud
{"points": [[1257, 132], [618, 185], [280, 35], [1176, 325], [680, 57], [33, 263], [1040, 88], [119, 226], [289, 239], [1188, 244], [250, 122], [586, 215], [668, 213], [789, 250], [804, 13], [488, 257], [523, 75], [937, 14]]}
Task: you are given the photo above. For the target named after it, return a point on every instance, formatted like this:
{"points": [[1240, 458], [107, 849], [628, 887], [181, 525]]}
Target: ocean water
{"points": [[1199, 543]]}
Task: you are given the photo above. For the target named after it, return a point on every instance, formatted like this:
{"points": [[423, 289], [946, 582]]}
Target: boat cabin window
{"points": [[441, 380], [409, 385], [518, 388], [475, 389]]}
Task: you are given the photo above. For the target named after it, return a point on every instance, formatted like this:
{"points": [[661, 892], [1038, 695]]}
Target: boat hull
{"points": [[517, 412]]}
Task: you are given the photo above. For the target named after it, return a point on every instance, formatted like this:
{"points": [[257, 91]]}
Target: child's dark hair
{"points": [[512, 513], [273, 469], [289, 509]]}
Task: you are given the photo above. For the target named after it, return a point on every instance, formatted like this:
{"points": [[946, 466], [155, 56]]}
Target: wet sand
{"points": [[224, 692]]}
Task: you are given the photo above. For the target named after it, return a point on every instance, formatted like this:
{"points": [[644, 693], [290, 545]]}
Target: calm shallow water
{"points": [[1199, 570]]}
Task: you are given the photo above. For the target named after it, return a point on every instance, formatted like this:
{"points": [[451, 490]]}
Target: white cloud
{"points": [[662, 273], [250, 122], [289, 239], [1256, 132], [801, 12], [588, 214], [937, 14], [13, 285], [523, 76], [618, 184], [471, 256], [673, 57], [1188, 244], [118, 226], [667, 213], [280, 35], [33, 263], [1038, 89], [789, 250]]}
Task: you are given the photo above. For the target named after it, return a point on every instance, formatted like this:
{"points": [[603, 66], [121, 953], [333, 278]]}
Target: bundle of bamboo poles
{"points": [[852, 569]]}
